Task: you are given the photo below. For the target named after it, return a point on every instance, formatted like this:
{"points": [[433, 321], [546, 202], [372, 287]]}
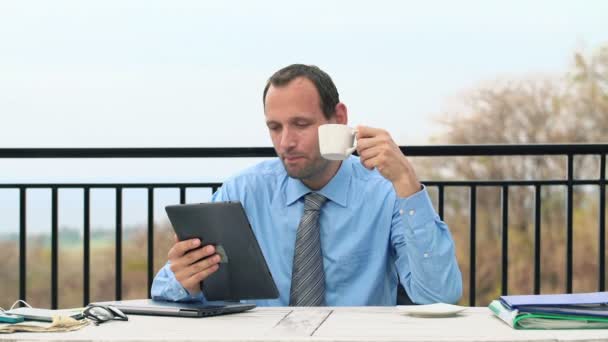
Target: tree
{"points": [[568, 108]]}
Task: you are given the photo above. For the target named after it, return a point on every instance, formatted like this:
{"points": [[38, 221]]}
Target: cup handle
{"points": [[352, 149]]}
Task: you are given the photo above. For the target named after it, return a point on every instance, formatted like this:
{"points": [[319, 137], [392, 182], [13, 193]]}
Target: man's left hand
{"points": [[377, 150]]}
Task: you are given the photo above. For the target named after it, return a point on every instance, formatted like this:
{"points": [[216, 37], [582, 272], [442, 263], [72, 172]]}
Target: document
{"points": [[60, 323], [591, 298], [525, 320]]}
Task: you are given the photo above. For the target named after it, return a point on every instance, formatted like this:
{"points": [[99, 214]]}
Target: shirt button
{"points": [[412, 212], [400, 211], [426, 255]]}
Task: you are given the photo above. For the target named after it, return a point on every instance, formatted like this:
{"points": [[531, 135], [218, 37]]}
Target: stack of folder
{"points": [[556, 311]]}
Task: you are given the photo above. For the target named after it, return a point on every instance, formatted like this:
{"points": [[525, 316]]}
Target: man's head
{"points": [[326, 89], [297, 100]]}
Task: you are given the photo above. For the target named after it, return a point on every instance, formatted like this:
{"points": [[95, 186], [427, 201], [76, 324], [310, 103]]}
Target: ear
{"points": [[341, 116]]}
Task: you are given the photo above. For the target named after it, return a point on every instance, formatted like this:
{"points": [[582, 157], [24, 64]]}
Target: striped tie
{"points": [[308, 277]]}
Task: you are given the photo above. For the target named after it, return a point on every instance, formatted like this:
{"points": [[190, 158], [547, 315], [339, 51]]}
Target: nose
{"points": [[288, 140]]}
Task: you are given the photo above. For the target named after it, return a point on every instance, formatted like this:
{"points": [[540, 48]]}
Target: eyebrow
{"points": [[296, 118], [291, 120]]}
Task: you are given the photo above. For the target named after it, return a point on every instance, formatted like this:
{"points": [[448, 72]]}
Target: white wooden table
{"points": [[312, 324]]}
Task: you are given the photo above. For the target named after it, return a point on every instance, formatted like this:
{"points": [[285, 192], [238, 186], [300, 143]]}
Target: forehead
{"points": [[298, 97]]}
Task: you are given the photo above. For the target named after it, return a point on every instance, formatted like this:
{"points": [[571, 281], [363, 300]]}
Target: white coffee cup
{"points": [[337, 142]]}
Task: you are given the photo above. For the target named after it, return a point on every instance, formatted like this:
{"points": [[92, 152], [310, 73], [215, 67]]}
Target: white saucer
{"points": [[431, 310]]}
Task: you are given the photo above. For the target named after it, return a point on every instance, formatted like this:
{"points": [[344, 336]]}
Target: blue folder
{"points": [[579, 304]]}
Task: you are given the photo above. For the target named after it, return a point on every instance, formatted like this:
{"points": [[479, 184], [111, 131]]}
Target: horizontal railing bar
{"points": [[109, 185], [211, 185], [248, 152], [161, 152], [513, 182]]}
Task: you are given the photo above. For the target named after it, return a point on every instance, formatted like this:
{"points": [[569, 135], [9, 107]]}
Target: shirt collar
{"points": [[336, 190]]}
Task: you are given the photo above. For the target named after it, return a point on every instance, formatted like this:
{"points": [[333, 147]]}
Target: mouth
{"points": [[291, 159]]}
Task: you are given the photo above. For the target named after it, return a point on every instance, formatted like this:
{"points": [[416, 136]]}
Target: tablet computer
{"points": [[243, 272], [164, 308]]}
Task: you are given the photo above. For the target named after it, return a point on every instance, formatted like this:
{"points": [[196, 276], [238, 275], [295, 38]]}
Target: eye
{"points": [[302, 124], [273, 127]]}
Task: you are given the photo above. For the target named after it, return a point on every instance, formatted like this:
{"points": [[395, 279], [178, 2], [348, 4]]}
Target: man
{"points": [[333, 232]]}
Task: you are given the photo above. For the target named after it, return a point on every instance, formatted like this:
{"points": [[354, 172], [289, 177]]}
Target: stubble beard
{"points": [[314, 169]]}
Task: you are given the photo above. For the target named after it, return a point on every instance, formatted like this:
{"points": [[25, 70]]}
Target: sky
{"points": [[123, 73]]}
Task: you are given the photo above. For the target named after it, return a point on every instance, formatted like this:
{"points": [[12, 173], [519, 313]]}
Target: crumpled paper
{"points": [[59, 324]]}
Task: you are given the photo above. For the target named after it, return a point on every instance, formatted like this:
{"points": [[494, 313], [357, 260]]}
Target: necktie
{"points": [[308, 277]]}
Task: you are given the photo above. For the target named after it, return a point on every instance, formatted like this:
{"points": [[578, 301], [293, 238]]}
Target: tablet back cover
{"points": [[243, 272]]}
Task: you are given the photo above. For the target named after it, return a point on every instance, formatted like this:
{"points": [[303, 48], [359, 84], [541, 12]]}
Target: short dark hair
{"points": [[326, 88]]}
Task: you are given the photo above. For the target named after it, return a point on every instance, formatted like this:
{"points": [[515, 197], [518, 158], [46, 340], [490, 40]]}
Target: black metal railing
{"points": [[569, 182]]}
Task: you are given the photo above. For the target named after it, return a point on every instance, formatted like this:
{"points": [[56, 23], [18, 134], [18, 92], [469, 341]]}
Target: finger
{"points": [[370, 163], [365, 143], [369, 153], [183, 272], [202, 275], [203, 264], [180, 248], [196, 278], [190, 284], [198, 254], [369, 132]]}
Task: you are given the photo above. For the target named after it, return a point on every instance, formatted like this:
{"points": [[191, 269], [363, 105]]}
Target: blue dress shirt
{"points": [[370, 238]]}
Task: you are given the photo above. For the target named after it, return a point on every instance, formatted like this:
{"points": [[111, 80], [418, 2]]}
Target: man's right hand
{"points": [[192, 264]]}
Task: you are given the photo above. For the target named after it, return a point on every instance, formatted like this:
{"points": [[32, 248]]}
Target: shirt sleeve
{"points": [[424, 251], [166, 287]]}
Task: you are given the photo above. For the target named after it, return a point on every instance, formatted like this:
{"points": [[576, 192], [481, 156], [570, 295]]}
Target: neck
{"points": [[323, 177]]}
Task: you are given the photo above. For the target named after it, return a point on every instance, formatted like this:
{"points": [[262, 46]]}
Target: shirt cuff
{"points": [[174, 290], [416, 210]]}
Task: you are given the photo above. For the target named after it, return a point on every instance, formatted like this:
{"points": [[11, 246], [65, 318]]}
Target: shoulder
{"points": [[264, 173], [369, 183], [360, 173]]}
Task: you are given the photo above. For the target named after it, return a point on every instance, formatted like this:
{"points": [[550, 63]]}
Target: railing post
{"points": [[537, 237], [440, 200], [602, 226], [569, 224], [118, 251], [472, 243], [182, 195], [22, 242], [86, 273], [54, 247], [150, 239], [505, 240]]}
